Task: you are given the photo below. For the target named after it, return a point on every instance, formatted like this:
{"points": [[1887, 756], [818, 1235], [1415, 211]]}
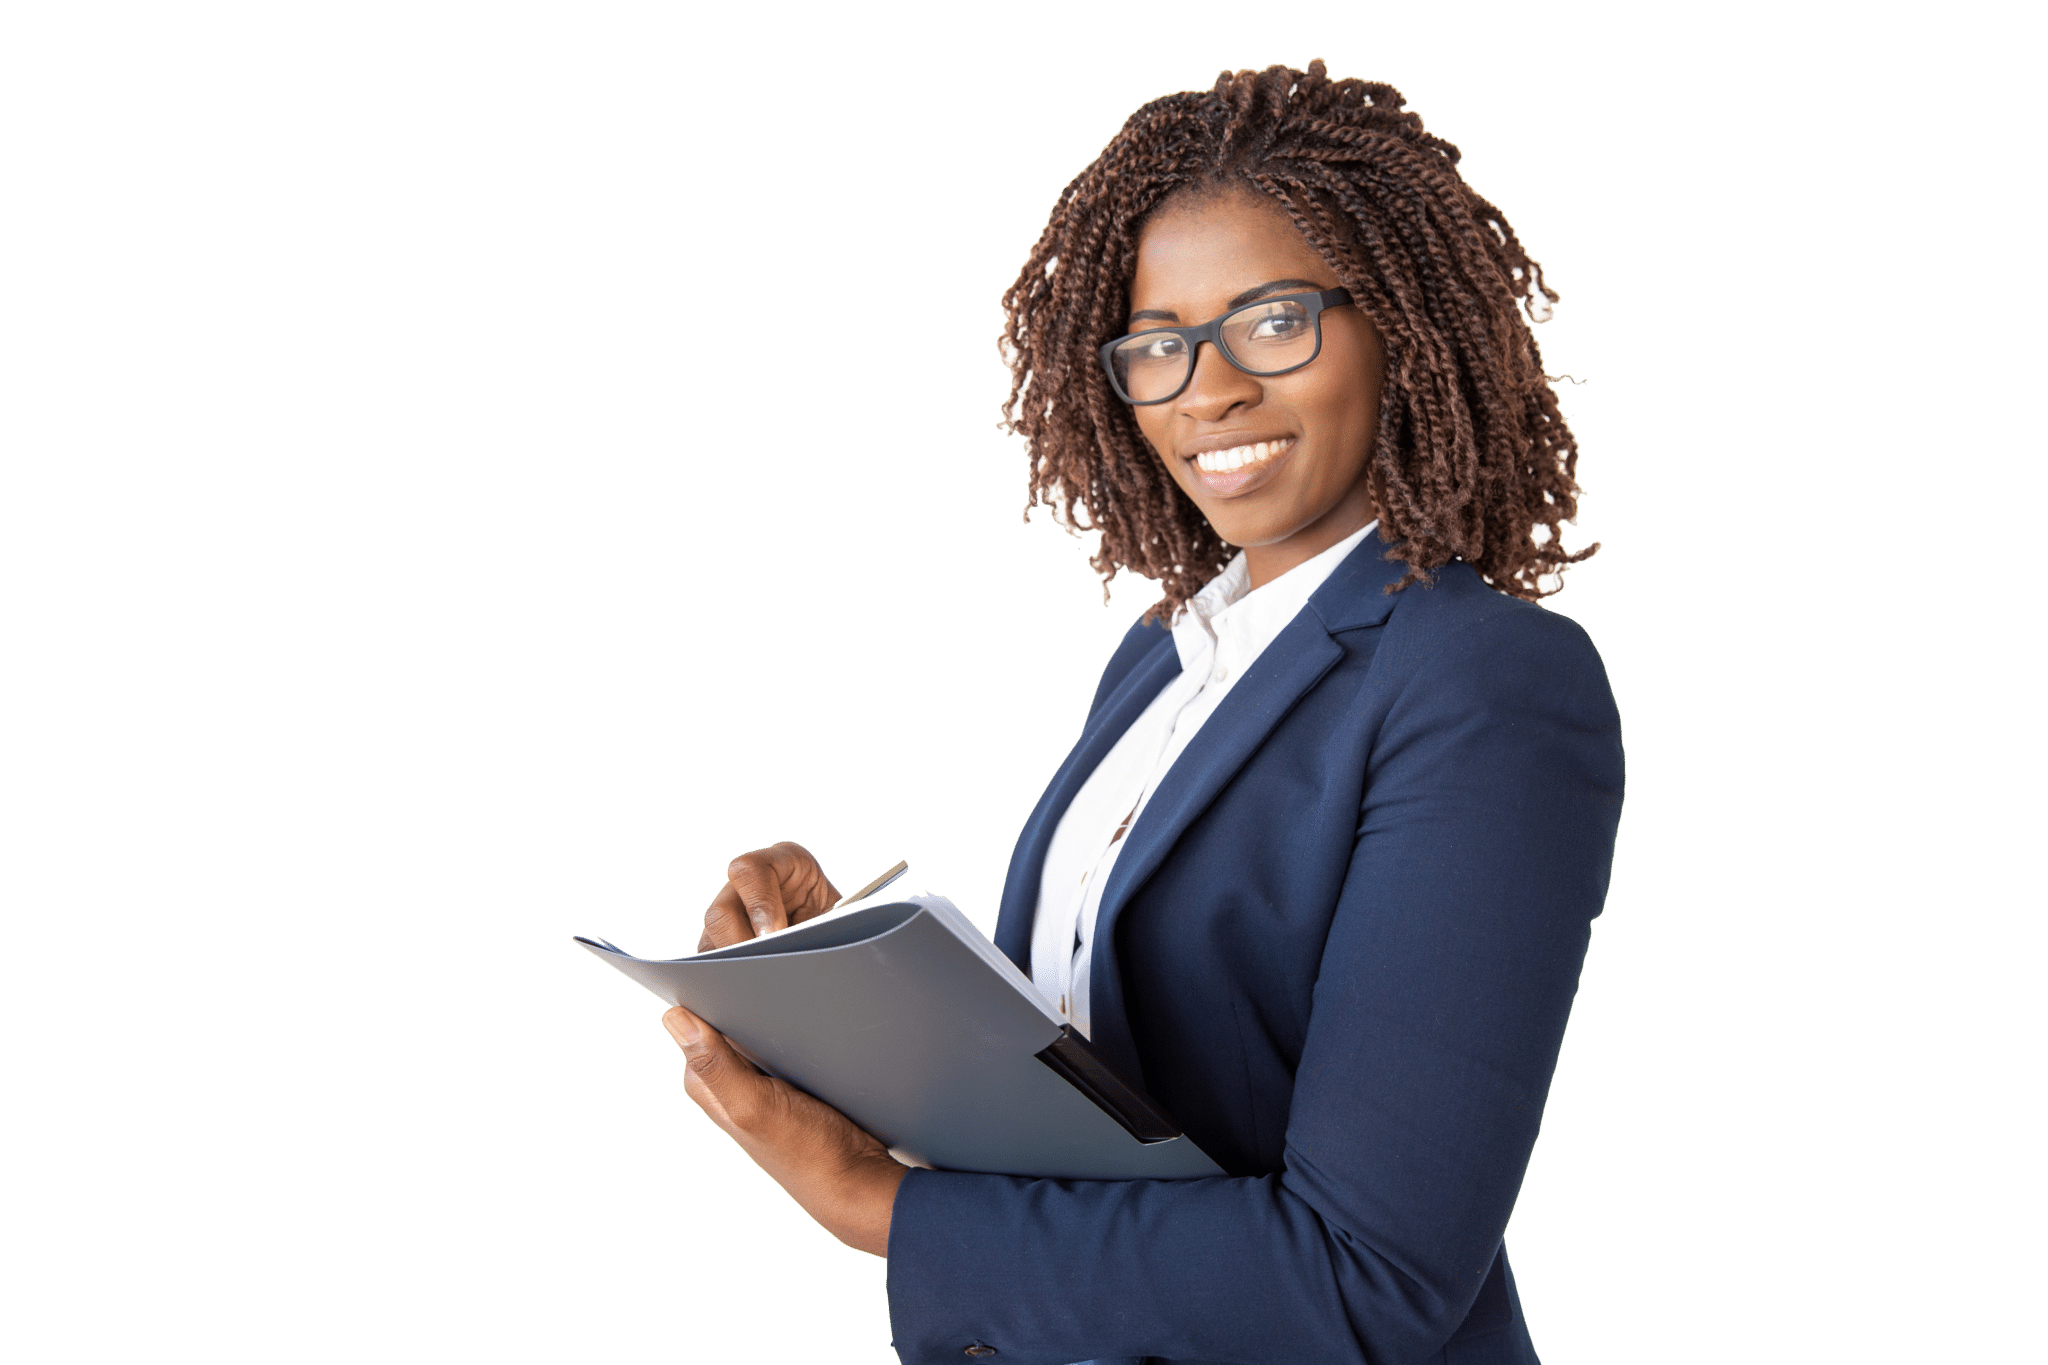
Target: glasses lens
{"points": [[1150, 366], [1267, 338]]}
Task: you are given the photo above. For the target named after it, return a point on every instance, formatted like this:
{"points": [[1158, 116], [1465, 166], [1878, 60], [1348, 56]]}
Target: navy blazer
{"points": [[1340, 949]]}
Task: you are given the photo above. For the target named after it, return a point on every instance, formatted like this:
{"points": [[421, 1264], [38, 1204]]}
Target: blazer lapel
{"points": [[1353, 597], [1290, 666], [1116, 715]]}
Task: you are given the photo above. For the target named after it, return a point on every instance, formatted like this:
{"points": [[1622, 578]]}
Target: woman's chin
{"points": [[1244, 528]]}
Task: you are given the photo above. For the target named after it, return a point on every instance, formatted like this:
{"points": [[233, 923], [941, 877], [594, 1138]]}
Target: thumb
{"points": [[719, 1080]]}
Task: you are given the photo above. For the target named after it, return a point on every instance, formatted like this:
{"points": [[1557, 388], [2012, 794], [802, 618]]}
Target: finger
{"points": [[726, 922], [758, 881], [806, 891]]}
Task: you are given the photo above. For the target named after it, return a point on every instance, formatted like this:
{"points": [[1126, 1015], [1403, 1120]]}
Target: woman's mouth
{"points": [[1238, 468]]}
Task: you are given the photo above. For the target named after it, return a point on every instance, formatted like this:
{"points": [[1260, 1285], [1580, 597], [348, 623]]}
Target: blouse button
{"points": [[1222, 673]]}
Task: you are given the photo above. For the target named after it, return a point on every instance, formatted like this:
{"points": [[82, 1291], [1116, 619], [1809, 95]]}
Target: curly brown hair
{"points": [[1472, 456]]}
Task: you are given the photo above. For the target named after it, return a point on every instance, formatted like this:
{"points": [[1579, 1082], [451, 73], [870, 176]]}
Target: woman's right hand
{"points": [[768, 889]]}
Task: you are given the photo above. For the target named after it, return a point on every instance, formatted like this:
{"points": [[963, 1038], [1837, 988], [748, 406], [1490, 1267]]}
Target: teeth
{"points": [[1237, 457]]}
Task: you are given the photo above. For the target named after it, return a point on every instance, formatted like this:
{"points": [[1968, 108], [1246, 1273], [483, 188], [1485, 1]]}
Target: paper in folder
{"points": [[899, 1013]]}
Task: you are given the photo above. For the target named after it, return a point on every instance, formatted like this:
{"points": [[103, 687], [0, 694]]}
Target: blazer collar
{"points": [[1356, 593]]}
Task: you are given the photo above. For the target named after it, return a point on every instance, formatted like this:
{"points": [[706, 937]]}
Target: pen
{"points": [[872, 887]]}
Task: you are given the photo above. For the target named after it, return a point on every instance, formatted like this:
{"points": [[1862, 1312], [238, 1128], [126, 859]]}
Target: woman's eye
{"points": [[1279, 328], [1162, 348]]}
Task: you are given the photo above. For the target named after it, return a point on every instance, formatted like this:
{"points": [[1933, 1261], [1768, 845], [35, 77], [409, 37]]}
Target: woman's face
{"points": [[1301, 486]]}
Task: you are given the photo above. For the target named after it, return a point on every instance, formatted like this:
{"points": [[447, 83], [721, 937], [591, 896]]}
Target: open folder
{"points": [[900, 1014]]}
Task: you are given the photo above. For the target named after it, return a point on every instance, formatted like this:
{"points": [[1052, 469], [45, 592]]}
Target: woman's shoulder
{"points": [[1366, 591], [1454, 599], [1468, 644]]}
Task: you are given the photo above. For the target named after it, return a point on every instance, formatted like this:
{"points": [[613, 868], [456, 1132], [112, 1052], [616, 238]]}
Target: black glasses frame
{"points": [[1212, 332]]}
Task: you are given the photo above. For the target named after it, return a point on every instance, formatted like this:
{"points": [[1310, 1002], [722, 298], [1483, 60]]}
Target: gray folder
{"points": [[906, 1019]]}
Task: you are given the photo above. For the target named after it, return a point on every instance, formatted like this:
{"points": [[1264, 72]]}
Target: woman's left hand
{"points": [[841, 1175]]}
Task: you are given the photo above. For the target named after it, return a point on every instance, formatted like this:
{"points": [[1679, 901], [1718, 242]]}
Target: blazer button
{"points": [[977, 1349]]}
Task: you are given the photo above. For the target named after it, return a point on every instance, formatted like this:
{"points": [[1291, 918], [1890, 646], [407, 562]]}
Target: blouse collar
{"points": [[1228, 616]]}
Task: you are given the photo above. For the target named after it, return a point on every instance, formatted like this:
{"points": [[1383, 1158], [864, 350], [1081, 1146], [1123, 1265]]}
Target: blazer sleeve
{"points": [[1481, 857]]}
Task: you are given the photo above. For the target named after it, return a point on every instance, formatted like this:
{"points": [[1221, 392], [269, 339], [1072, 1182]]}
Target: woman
{"points": [[1320, 871]]}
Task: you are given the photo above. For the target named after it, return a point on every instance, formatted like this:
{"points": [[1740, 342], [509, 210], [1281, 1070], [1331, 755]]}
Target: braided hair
{"points": [[1473, 460]]}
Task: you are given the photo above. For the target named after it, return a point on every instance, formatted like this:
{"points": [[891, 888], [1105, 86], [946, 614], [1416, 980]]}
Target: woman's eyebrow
{"points": [[1271, 287], [1256, 291]]}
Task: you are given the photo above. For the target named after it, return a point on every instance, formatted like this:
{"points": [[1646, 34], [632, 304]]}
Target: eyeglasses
{"points": [[1269, 337]]}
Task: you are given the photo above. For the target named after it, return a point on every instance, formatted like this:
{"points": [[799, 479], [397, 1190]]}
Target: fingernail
{"points": [[689, 1030]]}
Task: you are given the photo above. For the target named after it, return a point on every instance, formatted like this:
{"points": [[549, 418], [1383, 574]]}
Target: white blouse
{"points": [[1221, 631]]}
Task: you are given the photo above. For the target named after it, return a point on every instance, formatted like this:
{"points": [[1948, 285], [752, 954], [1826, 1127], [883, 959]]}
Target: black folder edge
{"points": [[1077, 1062]]}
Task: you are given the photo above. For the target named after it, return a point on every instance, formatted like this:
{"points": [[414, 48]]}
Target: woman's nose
{"points": [[1217, 386]]}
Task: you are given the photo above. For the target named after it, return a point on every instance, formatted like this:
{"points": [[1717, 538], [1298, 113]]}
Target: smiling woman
{"points": [[1320, 872], [1332, 183], [1273, 457]]}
